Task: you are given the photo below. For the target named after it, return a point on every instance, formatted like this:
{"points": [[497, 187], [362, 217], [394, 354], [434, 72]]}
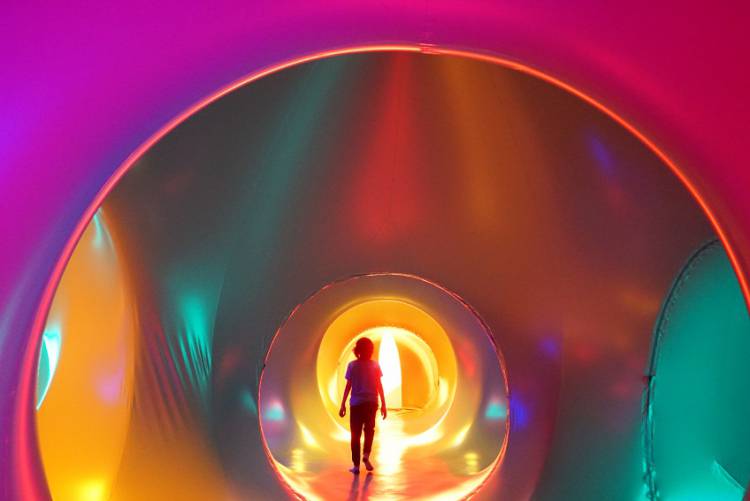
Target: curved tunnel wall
{"points": [[379, 163], [682, 102]]}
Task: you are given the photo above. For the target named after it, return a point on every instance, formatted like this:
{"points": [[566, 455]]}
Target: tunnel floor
{"points": [[401, 471]]}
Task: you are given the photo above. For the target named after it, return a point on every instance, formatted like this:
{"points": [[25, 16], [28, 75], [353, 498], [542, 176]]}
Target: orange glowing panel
{"points": [[83, 417]]}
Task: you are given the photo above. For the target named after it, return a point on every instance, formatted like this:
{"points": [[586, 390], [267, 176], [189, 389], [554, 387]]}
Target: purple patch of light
{"points": [[550, 346], [109, 386], [519, 413], [601, 154]]}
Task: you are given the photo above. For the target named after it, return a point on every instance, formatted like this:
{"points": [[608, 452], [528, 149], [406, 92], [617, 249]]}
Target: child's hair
{"points": [[363, 348]]}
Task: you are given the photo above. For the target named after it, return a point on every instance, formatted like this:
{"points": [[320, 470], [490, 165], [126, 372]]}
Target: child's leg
{"points": [[355, 423], [369, 423]]}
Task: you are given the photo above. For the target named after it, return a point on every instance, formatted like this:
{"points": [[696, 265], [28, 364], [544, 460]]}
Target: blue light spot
{"points": [[550, 346], [519, 413], [49, 355], [601, 154]]}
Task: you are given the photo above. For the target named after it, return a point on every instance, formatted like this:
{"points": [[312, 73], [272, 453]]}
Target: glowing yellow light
{"points": [[461, 435], [430, 436], [394, 444], [341, 434], [390, 363], [93, 490], [333, 389], [442, 391], [472, 462], [308, 437], [298, 460]]}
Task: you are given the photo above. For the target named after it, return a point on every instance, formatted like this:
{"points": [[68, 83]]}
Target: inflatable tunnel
{"points": [[507, 243], [559, 310]]}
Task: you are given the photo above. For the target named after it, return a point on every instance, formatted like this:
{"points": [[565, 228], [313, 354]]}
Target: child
{"points": [[363, 380]]}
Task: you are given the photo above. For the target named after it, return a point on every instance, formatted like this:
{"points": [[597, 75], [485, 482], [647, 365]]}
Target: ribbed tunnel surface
{"points": [[560, 229]]}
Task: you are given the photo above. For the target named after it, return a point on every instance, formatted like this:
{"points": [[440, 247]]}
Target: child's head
{"points": [[363, 348]]}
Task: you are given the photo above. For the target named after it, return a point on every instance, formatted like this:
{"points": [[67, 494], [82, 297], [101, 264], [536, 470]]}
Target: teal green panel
{"points": [[49, 354], [698, 406]]}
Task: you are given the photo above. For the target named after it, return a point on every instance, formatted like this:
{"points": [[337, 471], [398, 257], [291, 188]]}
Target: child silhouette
{"points": [[363, 381]]}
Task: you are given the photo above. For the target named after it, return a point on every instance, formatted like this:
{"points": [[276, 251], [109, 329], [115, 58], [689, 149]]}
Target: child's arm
{"points": [[342, 410], [383, 410]]}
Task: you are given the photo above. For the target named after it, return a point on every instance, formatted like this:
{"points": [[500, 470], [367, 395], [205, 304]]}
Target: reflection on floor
{"points": [[403, 469]]}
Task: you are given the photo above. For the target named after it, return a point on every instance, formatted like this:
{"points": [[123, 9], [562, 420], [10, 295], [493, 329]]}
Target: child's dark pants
{"points": [[362, 415]]}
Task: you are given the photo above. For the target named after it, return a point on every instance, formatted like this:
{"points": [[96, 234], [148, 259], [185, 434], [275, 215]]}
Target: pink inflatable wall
{"points": [[85, 89]]}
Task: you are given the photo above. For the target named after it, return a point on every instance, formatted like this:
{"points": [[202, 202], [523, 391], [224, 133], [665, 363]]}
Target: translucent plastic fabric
{"points": [[698, 403], [560, 228]]}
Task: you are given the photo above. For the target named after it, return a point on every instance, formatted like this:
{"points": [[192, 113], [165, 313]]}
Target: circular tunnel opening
{"points": [[444, 384], [314, 199]]}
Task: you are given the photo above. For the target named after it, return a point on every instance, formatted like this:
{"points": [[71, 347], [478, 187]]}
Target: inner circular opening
{"points": [[447, 421]]}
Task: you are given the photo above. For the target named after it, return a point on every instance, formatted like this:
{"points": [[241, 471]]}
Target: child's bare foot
{"points": [[368, 464], [354, 469]]}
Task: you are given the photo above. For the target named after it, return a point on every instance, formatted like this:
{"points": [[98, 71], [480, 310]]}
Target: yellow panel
{"points": [[82, 420]]}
